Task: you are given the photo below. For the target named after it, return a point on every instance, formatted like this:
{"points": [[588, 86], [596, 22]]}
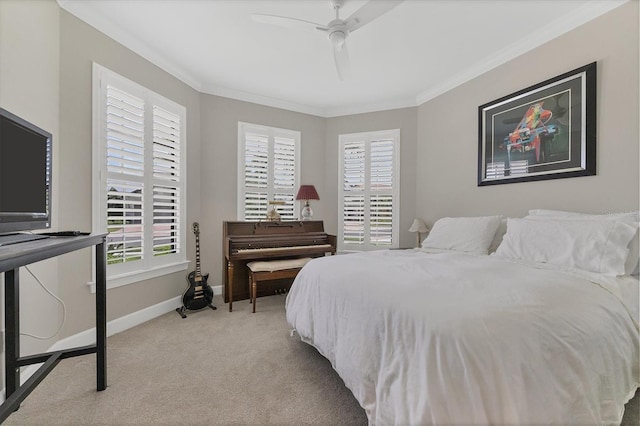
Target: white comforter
{"points": [[458, 339]]}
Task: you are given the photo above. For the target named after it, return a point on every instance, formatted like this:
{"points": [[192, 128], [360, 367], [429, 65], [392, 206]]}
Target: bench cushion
{"points": [[277, 265]]}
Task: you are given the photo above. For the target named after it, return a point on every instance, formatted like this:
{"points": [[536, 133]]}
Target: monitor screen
{"points": [[25, 175]]}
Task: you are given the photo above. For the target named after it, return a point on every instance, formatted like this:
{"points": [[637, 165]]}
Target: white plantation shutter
{"points": [[354, 166], [353, 216], [369, 190], [256, 205], [381, 188], [353, 186], [166, 181], [268, 171], [284, 163], [284, 176], [256, 176], [381, 164], [125, 180], [256, 161], [138, 185], [381, 220]]}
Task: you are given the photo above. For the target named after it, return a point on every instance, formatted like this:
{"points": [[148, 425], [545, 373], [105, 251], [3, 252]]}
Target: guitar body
{"points": [[199, 294]]}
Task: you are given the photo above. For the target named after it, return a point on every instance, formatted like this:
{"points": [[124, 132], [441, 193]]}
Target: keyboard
{"points": [[282, 248]]}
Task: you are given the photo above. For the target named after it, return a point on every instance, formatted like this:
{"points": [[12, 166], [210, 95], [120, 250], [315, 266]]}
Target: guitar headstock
{"points": [[196, 228]]}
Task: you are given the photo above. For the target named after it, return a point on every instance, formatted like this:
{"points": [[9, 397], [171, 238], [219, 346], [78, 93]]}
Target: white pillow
{"points": [[465, 234], [632, 264], [592, 245]]}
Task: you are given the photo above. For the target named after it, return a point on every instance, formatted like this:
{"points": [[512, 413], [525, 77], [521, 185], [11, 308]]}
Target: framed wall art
{"points": [[546, 131]]}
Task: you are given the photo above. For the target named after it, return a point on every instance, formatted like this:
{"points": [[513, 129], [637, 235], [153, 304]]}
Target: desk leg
{"points": [[101, 317], [12, 331]]}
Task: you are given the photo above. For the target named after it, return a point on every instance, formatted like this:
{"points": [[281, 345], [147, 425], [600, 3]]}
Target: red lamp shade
{"points": [[307, 192]]}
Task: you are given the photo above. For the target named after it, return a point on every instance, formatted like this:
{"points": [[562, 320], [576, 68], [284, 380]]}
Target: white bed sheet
{"points": [[446, 338]]}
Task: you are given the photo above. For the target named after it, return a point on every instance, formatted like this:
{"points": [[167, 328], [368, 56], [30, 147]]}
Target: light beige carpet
{"points": [[214, 368]]}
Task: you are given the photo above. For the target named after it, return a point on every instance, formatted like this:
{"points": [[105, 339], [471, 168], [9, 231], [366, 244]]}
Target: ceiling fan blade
{"points": [[284, 21], [370, 11], [341, 56]]}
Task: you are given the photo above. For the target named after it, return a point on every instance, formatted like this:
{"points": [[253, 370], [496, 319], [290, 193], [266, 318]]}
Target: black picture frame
{"points": [[546, 131]]}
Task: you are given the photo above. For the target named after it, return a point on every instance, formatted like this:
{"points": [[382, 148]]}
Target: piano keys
{"points": [[266, 250], [250, 241]]}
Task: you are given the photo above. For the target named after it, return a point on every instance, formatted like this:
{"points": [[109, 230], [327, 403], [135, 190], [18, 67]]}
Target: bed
{"points": [[448, 334]]}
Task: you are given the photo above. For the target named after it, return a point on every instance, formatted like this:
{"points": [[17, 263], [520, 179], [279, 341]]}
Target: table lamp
{"points": [[419, 227], [306, 193]]}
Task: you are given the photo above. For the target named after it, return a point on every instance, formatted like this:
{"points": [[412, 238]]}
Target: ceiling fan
{"points": [[338, 29]]}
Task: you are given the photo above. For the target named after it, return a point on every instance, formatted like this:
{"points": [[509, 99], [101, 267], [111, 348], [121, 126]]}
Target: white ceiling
{"points": [[415, 52]]}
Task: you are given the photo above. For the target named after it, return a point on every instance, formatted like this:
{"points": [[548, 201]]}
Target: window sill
{"points": [[134, 277]]}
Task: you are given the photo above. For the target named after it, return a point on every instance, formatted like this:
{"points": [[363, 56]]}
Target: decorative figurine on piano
{"points": [[272, 212]]}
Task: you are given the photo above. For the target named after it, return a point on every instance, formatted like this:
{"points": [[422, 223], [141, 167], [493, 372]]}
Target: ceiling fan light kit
{"points": [[337, 30], [338, 38]]}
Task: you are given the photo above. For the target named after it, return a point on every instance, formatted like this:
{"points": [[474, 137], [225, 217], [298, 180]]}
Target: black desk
{"points": [[12, 257]]}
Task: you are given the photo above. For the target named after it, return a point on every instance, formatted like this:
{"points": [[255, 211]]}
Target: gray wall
{"points": [[448, 130], [219, 160], [29, 72], [80, 46]]}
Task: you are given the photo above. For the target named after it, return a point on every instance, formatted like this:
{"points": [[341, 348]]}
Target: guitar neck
{"points": [[198, 274]]}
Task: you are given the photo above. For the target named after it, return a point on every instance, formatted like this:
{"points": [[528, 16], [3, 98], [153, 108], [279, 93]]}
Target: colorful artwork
{"points": [[542, 132], [530, 130]]}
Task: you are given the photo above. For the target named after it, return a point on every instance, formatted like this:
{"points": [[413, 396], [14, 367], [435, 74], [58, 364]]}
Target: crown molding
{"points": [[586, 13]]}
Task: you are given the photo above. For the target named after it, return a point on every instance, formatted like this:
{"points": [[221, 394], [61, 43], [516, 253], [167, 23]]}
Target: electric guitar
{"points": [[199, 294]]}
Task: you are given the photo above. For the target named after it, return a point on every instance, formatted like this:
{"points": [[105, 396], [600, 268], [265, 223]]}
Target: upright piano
{"points": [[250, 241]]}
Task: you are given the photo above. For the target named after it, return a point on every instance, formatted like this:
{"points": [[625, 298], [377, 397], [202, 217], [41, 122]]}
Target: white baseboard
{"points": [[126, 322], [115, 326], [118, 325]]}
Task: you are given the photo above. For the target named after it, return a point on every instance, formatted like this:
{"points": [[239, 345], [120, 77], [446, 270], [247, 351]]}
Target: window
{"points": [[268, 171], [369, 190], [139, 196]]}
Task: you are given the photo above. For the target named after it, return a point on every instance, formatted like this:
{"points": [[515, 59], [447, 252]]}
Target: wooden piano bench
{"points": [[272, 270]]}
